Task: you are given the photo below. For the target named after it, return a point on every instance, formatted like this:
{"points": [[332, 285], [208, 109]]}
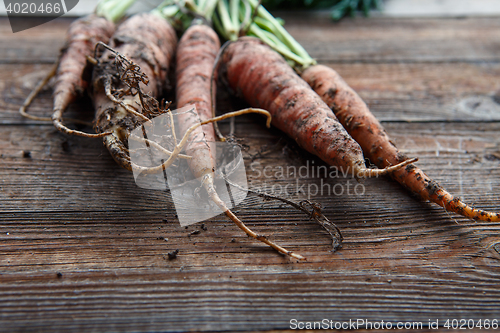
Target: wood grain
{"points": [[25, 46], [460, 92], [82, 248], [469, 39]]}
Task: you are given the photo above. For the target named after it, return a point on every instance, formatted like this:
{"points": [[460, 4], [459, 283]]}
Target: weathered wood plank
{"points": [[397, 40], [27, 46], [354, 40], [394, 92], [440, 8], [427, 92], [16, 83], [149, 302], [75, 170], [76, 213], [83, 248]]}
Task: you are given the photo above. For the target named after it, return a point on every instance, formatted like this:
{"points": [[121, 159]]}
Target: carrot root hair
{"points": [[58, 111], [57, 120], [23, 110], [209, 186], [363, 172], [178, 147]]}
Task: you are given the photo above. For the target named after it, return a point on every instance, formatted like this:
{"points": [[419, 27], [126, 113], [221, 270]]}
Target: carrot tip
{"points": [[296, 256], [268, 122], [92, 60]]}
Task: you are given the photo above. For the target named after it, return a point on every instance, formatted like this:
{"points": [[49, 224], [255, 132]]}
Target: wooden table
{"points": [[82, 248]]}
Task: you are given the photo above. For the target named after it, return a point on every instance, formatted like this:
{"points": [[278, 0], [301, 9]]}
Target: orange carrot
{"points": [[196, 56], [82, 36], [354, 114], [265, 80], [349, 108], [149, 41]]}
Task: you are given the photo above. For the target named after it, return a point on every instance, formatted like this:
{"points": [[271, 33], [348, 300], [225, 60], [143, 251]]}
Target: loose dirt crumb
{"points": [[173, 255]]}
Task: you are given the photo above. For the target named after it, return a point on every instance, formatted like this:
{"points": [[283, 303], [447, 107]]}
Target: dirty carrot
{"points": [[81, 38], [196, 55], [355, 116], [265, 80], [144, 47], [195, 59]]}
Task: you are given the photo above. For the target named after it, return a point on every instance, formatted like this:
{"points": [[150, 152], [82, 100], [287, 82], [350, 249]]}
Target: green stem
{"points": [[281, 32], [245, 15], [265, 27], [170, 11], [192, 6], [201, 5], [113, 10], [210, 9], [234, 7], [220, 28], [166, 11], [274, 42], [226, 21]]}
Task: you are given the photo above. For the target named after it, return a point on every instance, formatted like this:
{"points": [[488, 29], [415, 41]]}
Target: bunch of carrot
{"points": [[82, 36], [344, 103], [196, 57], [131, 73]]}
